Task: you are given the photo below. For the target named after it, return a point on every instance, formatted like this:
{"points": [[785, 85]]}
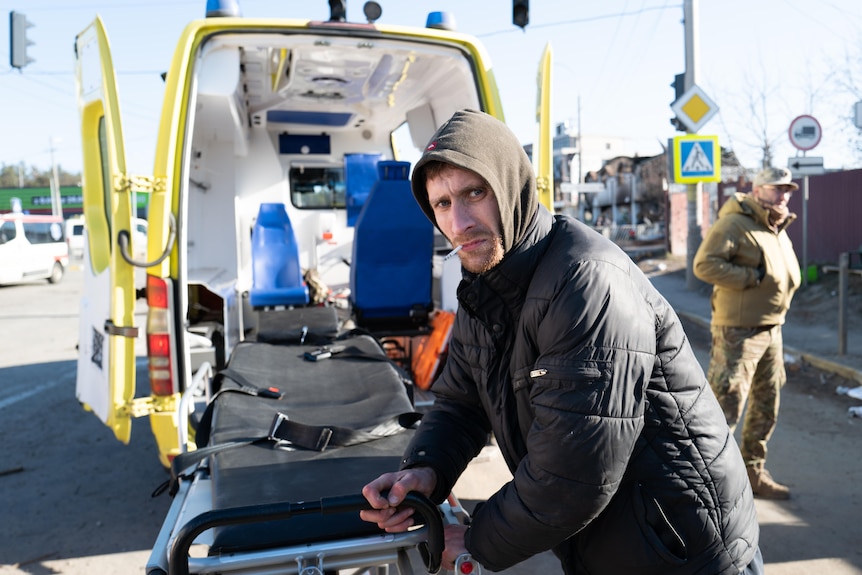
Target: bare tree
{"points": [[849, 83], [759, 124], [748, 114]]}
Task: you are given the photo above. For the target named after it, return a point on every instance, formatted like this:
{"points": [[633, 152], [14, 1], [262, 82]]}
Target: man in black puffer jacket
{"points": [[621, 457]]}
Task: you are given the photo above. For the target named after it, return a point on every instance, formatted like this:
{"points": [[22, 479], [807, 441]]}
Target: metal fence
{"points": [[640, 233]]}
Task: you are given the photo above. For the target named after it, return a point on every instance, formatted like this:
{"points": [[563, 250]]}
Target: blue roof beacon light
{"points": [[223, 9], [441, 21]]}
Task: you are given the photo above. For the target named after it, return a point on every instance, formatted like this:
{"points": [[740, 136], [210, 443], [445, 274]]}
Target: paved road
{"points": [[74, 501]]}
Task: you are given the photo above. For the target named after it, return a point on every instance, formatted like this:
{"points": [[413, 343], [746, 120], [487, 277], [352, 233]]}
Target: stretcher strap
{"points": [[244, 386], [286, 433], [319, 437]]}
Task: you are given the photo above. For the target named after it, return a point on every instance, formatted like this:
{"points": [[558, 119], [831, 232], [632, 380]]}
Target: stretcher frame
{"points": [[187, 534]]}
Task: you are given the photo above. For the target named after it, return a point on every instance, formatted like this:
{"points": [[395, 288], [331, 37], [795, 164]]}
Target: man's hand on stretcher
{"points": [[388, 517]]}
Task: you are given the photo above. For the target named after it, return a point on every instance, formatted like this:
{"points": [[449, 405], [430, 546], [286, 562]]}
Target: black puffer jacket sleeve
{"points": [[456, 430]]}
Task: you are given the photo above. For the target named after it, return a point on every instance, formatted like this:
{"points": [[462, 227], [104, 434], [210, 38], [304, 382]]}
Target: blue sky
{"points": [[614, 61]]}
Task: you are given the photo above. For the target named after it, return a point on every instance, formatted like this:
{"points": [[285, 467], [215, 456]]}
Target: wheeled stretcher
{"points": [[291, 439]]}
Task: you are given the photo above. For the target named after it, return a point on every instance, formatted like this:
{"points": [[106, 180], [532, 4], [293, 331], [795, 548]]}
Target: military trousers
{"points": [[747, 367]]}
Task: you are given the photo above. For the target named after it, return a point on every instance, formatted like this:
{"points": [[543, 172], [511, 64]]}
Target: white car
{"points": [[32, 247], [139, 239], [75, 237]]}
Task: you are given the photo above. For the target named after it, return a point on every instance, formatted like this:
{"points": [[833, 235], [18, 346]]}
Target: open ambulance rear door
{"points": [[543, 151], [106, 345]]}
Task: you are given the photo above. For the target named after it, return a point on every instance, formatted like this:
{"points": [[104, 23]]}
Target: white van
{"points": [[139, 238], [75, 237], [32, 247]]}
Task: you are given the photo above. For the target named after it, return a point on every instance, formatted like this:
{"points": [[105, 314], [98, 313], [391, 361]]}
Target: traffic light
{"points": [[337, 10], [521, 13], [679, 89], [677, 123], [18, 41], [678, 86]]}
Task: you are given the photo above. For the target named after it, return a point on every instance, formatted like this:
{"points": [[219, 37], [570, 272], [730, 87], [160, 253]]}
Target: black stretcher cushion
{"points": [[353, 392], [286, 326]]}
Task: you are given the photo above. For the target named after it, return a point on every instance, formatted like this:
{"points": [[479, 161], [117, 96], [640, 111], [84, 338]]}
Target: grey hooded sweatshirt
{"points": [[621, 458]]}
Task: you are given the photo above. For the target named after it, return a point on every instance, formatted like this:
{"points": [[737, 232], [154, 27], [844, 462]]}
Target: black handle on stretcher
{"points": [[431, 551]]}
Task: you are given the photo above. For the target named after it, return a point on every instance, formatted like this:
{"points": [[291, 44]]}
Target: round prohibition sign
{"points": [[805, 132]]}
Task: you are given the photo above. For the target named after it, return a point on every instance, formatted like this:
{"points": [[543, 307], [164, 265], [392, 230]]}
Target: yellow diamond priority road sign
{"points": [[694, 109]]}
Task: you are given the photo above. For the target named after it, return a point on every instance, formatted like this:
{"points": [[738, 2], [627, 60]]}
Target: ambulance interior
{"points": [[280, 117]]}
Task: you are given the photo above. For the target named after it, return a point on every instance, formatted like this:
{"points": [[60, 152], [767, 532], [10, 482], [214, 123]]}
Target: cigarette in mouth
{"points": [[453, 252]]}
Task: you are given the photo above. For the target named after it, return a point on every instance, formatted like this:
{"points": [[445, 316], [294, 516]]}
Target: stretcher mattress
{"points": [[312, 325], [357, 388]]}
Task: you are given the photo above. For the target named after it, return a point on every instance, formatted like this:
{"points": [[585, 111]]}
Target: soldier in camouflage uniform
{"points": [[749, 259]]}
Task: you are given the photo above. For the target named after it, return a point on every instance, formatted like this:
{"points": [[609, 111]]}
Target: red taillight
{"points": [[159, 344], [157, 292], [159, 337]]}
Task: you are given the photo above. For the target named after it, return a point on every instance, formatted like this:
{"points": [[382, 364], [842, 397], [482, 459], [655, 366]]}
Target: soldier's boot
{"points": [[763, 485]]}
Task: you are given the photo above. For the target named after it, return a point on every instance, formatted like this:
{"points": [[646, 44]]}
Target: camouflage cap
{"points": [[775, 177]]}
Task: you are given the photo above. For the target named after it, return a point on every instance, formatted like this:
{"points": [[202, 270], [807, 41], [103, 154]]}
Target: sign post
{"points": [[805, 133], [693, 109]]}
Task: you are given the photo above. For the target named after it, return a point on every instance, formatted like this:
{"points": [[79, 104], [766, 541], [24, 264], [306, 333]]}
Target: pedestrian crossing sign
{"points": [[696, 158]]}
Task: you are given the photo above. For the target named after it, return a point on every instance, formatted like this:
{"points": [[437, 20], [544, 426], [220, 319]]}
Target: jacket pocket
{"points": [[657, 528], [579, 386], [581, 377], [522, 383], [628, 537], [522, 379]]}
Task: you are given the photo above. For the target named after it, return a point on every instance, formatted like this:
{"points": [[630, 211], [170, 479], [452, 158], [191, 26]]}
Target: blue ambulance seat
{"points": [[360, 173], [393, 246], [276, 275]]}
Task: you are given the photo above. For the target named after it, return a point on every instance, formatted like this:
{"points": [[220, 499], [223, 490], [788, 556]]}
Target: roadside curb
{"points": [[827, 365], [694, 318], [811, 359]]}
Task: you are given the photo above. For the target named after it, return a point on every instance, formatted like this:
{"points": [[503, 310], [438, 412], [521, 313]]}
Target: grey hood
{"points": [[483, 144]]}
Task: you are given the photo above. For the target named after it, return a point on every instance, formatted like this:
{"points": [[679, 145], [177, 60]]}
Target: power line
{"points": [[584, 20], [67, 6], [72, 72]]}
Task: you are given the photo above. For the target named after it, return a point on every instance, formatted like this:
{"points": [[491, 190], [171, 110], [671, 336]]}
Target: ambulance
{"points": [[292, 121]]}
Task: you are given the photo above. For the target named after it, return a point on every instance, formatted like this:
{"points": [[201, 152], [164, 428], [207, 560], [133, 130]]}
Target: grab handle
{"points": [[124, 237], [430, 550]]}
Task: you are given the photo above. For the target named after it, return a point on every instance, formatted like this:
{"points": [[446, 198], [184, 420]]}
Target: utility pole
{"points": [[56, 199], [694, 192], [580, 146]]}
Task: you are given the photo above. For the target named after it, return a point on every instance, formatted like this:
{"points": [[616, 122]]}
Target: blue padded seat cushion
{"points": [[276, 274]]}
